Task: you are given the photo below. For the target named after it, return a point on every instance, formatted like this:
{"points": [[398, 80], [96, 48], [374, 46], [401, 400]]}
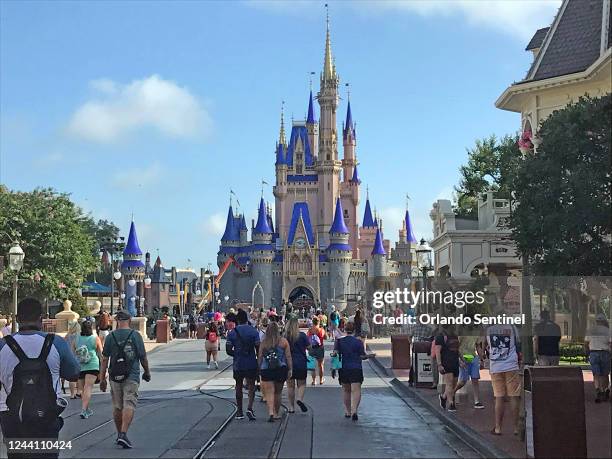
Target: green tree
{"points": [[562, 220], [52, 231], [491, 166], [101, 231]]}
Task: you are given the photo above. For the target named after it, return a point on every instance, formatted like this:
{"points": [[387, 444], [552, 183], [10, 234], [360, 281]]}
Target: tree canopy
{"points": [[562, 220], [491, 165], [53, 233]]}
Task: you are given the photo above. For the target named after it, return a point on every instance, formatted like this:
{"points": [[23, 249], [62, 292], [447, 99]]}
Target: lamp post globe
{"points": [[147, 281], [131, 282], [117, 275], [15, 256]]}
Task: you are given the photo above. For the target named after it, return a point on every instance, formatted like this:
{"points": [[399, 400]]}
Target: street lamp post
{"points": [[113, 246], [423, 252], [16, 256]]}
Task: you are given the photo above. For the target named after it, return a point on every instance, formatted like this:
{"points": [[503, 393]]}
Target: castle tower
{"points": [[367, 231], [378, 272], [351, 183], [328, 166], [262, 254], [280, 187], [339, 255], [313, 128], [244, 232], [132, 268], [405, 247]]}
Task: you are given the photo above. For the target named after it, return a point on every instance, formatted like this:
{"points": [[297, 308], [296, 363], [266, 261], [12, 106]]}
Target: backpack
{"points": [[82, 353], [33, 399], [272, 358], [120, 365], [333, 316], [212, 337], [315, 341]]}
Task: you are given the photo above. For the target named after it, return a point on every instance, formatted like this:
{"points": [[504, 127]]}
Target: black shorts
{"points": [[88, 372], [276, 375], [317, 353], [299, 373], [239, 375], [349, 376], [193, 327]]}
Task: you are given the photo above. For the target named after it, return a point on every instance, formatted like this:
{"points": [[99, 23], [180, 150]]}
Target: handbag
{"points": [[310, 363]]}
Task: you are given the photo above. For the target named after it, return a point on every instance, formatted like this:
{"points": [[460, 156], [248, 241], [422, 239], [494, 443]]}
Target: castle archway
{"points": [[302, 297]]}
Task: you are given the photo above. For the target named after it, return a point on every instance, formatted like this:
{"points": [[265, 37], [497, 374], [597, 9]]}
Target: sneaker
{"points": [[124, 441], [251, 415], [355, 417], [239, 416], [83, 414], [478, 406], [442, 402], [452, 407], [216, 365], [209, 366], [89, 412], [302, 406]]}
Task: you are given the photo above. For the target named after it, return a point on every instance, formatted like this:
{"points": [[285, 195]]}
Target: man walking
{"points": [[505, 356], [546, 341], [243, 345], [125, 350], [598, 344], [32, 411]]}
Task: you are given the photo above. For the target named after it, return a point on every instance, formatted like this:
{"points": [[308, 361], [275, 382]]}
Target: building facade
{"points": [[313, 248]]}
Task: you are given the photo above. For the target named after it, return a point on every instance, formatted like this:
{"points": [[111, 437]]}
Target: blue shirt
{"points": [[61, 361], [243, 339], [350, 349], [298, 351]]}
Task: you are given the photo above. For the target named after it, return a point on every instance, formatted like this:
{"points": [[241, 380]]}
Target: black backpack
{"points": [[33, 399], [272, 358], [120, 365]]}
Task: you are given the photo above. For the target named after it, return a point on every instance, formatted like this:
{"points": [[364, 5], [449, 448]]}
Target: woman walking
{"points": [[351, 352], [74, 329], [88, 349], [211, 345], [298, 342], [275, 365], [316, 335]]}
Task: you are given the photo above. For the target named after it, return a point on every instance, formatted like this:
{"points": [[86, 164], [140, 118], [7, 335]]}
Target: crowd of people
{"points": [[34, 365]]}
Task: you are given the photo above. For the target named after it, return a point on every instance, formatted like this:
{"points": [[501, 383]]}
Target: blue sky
{"points": [[159, 108]]}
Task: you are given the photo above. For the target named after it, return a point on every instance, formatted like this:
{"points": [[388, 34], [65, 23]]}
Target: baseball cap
{"points": [[123, 315]]}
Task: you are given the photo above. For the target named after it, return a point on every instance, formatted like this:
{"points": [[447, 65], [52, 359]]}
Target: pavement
{"points": [[476, 424]]}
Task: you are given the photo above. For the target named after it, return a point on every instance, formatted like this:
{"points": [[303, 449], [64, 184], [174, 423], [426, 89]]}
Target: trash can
{"points": [[162, 331], [555, 424], [400, 352], [421, 363]]}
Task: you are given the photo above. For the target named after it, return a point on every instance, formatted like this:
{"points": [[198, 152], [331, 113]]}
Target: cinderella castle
{"points": [[313, 250]]}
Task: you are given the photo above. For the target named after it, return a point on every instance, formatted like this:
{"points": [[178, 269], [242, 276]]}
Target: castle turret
{"points": [[244, 232], [379, 256], [328, 166], [133, 269], [349, 142], [262, 254], [313, 128], [339, 255]]}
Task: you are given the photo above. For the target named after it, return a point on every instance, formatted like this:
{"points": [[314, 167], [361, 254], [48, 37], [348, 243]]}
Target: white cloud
{"points": [[518, 18], [138, 178], [48, 159], [151, 102], [214, 225]]}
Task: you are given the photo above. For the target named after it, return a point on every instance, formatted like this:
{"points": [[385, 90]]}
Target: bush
{"points": [[572, 352], [79, 305]]}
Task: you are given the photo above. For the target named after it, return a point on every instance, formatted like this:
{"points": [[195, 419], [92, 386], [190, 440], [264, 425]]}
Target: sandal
{"points": [[494, 432]]}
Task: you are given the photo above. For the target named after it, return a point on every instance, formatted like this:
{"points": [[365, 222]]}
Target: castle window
{"points": [[328, 157], [327, 186], [346, 215]]}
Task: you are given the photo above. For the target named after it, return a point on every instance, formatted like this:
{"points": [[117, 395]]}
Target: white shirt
{"points": [[599, 338]]}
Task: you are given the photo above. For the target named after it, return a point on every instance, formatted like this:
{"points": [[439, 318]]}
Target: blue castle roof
{"points": [[280, 154], [349, 126], [409, 233], [262, 226], [339, 246], [368, 220], [299, 132], [132, 247], [310, 119], [338, 226], [300, 209], [379, 248], [243, 225], [231, 232], [355, 178]]}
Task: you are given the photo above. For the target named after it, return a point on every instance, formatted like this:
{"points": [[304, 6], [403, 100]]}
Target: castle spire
{"points": [[310, 119], [281, 138], [409, 233], [329, 70], [379, 248], [231, 231], [338, 226], [262, 226], [132, 248]]}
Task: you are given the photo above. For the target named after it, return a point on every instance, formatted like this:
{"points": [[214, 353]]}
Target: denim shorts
{"points": [[471, 370], [600, 362]]}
